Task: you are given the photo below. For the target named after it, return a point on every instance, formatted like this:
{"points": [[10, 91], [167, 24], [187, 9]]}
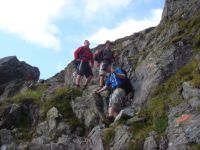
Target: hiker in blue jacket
{"points": [[118, 96]]}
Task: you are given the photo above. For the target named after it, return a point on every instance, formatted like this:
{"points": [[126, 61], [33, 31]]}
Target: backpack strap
{"points": [[82, 52]]}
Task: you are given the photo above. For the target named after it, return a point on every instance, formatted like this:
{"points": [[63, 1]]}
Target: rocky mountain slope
{"points": [[162, 114]]}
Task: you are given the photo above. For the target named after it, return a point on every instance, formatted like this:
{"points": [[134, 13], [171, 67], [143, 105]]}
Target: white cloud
{"points": [[21, 59], [32, 20], [95, 6], [126, 28], [94, 9]]}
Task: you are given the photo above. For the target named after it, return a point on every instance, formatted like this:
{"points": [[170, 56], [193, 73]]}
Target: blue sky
{"points": [[45, 33]]}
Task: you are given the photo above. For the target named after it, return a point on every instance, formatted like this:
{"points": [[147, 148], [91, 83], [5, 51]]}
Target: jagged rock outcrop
{"points": [[12, 69], [13, 73]]}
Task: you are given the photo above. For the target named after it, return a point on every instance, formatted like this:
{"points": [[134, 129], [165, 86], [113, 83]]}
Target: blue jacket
{"points": [[113, 80]]}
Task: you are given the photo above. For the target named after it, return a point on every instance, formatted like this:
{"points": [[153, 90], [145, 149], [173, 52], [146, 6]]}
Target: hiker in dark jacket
{"points": [[118, 96], [84, 57], [105, 61]]}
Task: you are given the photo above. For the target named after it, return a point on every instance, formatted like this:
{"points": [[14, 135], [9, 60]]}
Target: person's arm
{"points": [[107, 85], [92, 60], [120, 75], [76, 53], [102, 89]]}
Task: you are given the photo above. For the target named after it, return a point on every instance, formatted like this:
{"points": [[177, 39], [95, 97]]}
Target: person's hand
{"points": [[96, 92]]}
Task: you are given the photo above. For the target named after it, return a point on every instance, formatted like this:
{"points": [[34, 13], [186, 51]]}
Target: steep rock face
{"points": [[157, 53], [173, 7]]}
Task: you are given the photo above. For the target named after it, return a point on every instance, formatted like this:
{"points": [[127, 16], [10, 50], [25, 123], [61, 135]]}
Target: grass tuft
{"points": [[108, 135]]}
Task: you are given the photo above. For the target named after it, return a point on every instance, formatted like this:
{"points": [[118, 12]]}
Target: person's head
{"points": [[111, 68], [86, 43], [108, 44]]}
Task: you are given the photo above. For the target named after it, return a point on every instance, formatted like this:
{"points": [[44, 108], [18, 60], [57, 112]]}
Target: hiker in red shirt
{"points": [[84, 57]]}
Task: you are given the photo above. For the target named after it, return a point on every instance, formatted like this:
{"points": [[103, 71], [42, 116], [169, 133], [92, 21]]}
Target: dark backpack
{"points": [[127, 86], [103, 55], [98, 57]]}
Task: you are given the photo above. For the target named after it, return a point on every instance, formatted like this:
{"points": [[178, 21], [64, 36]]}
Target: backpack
{"points": [[103, 55], [127, 86], [98, 57]]}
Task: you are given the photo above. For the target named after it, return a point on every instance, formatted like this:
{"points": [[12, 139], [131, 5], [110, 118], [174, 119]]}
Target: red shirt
{"points": [[84, 54]]}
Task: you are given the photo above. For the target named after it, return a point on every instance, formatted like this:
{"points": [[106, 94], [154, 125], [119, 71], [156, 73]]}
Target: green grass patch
{"points": [[34, 95], [108, 135], [196, 41], [198, 109], [140, 133], [194, 146], [40, 87], [62, 100], [190, 27], [159, 106], [188, 72], [140, 130], [161, 123]]}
